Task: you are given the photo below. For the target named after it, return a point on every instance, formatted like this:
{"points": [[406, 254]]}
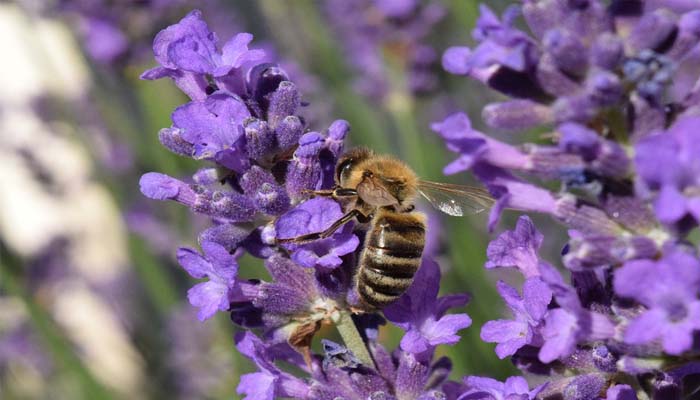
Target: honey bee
{"points": [[380, 190]]}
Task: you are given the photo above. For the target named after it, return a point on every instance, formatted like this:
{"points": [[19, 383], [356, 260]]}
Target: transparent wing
{"points": [[455, 200]]}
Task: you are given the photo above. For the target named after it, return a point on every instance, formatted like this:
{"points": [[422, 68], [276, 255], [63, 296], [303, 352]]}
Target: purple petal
{"points": [[209, 297], [192, 27], [159, 186], [559, 335], [517, 248], [224, 264], [516, 384], [193, 263], [312, 216], [414, 342], [621, 392], [510, 336], [444, 330], [487, 384], [511, 296], [677, 339], [645, 328], [537, 296], [189, 55], [257, 386], [455, 60], [670, 205], [235, 52]]}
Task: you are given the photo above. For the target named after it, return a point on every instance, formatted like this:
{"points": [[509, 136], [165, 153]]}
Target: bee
{"points": [[380, 191]]}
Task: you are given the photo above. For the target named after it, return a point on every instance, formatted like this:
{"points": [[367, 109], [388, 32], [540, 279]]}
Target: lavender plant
{"points": [[244, 119], [615, 85]]}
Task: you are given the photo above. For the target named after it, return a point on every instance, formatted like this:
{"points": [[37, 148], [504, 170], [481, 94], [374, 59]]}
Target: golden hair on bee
{"points": [[381, 180]]}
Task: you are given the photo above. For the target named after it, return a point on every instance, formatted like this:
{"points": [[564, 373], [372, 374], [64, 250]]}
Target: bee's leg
{"points": [[322, 193], [354, 213], [334, 193]]}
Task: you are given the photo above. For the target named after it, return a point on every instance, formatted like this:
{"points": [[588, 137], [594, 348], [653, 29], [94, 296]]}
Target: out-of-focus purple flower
{"points": [[220, 267], [213, 127], [311, 216], [528, 311], [103, 40], [677, 183], [501, 43], [514, 387], [194, 355], [668, 288], [421, 313], [372, 31]]}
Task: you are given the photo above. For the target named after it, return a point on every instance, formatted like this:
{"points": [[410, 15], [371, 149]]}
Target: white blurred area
{"points": [[41, 57]]}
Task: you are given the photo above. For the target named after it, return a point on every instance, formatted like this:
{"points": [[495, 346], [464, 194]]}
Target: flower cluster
{"points": [[616, 86], [243, 120], [375, 34]]}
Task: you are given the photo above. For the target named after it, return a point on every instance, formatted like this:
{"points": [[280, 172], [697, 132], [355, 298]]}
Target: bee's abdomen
{"points": [[391, 257]]}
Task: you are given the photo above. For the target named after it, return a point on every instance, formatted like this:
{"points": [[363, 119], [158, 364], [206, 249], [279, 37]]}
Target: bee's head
{"points": [[347, 164]]}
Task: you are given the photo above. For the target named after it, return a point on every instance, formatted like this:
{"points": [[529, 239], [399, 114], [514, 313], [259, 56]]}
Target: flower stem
{"points": [[352, 338]]}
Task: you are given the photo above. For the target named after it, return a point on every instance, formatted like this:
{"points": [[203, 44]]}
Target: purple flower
{"points": [[312, 216], [422, 314], [513, 388], [517, 248], [220, 267], [213, 128], [501, 44], [677, 182], [188, 50], [668, 288], [571, 324], [620, 392], [270, 382], [528, 311]]}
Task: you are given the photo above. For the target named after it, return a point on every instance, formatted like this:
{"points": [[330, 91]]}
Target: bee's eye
{"points": [[343, 170]]}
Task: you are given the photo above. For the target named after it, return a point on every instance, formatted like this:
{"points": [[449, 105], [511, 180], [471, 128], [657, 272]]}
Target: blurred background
{"points": [[92, 302]]}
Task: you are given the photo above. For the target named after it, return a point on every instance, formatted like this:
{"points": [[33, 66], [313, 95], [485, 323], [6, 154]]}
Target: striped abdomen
{"points": [[391, 257]]}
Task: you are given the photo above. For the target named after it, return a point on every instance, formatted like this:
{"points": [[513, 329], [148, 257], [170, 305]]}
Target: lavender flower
{"points": [[528, 311], [306, 219], [221, 269], [244, 118], [612, 83], [421, 313], [669, 289], [676, 184]]}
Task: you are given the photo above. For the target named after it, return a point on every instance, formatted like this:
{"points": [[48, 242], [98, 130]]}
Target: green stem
{"points": [[352, 338]]}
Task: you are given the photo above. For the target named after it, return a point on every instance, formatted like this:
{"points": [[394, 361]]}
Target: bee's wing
{"points": [[455, 200]]}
